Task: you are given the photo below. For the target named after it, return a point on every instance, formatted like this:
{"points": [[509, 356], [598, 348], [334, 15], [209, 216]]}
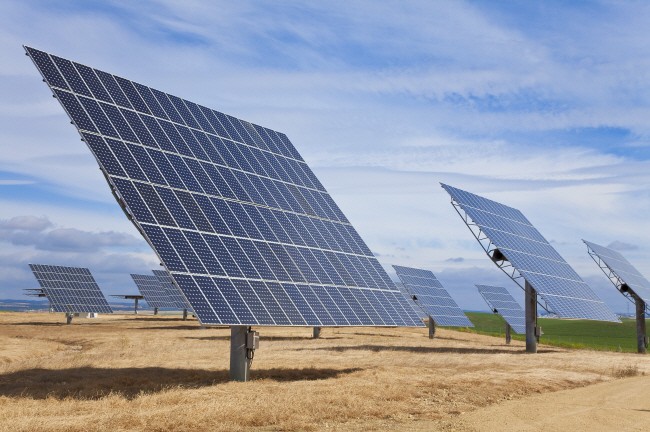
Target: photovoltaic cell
{"points": [[235, 214], [501, 302], [70, 289], [432, 298], [622, 271], [507, 229]]}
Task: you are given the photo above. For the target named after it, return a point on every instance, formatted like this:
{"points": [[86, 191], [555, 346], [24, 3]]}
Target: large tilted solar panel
{"points": [[167, 283], [153, 292], [564, 292], [237, 217], [500, 301], [70, 289], [430, 295], [621, 267]]}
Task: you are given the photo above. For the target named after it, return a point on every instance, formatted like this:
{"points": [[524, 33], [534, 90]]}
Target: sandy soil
{"points": [[621, 405], [160, 373]]}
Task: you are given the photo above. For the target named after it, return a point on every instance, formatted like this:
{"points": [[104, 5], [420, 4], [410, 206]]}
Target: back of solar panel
{"points": [[524, 247]]}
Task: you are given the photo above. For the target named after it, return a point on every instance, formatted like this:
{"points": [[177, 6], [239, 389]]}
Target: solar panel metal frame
{"points": [[503, 303], [434, 300], [153, 291], [182, 168], [70, 289], [620, 272], [484, 234]]}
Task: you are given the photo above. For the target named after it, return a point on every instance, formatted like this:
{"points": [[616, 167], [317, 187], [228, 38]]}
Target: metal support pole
{"points": [[155, 311], [184, 314], [531, 318], [432, 327], [239, 362], [508, 334], [136, 305], [641, 339], [316, 334], [68, 318]]}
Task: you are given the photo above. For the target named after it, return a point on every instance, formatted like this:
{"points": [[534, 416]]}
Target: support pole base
{"points": [[239, 361]]}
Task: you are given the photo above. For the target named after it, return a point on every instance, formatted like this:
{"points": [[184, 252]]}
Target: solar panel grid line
{"points": [[158, 150], [70, 289], [61, 84], [561, 289], [274, 297]]}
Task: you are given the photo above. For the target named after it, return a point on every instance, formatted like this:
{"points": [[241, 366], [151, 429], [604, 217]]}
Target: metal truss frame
{"points": [[613, 277], [493, 252]]}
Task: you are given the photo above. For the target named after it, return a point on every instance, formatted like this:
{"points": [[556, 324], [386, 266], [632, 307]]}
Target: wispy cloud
{"points": [[621, 246], [542, 107], [25, 223], [35, 239]]}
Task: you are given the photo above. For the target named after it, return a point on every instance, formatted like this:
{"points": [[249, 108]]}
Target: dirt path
{"points": [[620, 405]]}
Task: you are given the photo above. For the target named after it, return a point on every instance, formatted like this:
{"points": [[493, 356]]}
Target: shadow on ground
{"points": [[172, 327], [425, 350], [265, 338], [87, 383], [41, 323], [161, 318]]}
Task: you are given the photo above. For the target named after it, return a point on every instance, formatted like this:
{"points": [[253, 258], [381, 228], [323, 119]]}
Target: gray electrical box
{"points": [[538, 331], [252, 340]]}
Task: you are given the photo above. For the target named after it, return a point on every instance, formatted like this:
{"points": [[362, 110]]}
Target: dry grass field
{"points": [[151, 373]]}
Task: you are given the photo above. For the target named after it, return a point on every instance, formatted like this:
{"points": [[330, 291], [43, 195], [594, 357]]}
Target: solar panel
{"points": [[430, 295], [167, 283], [70, 289], [620, 271], [504, 232], [500, 301], [153, 292], [249, 234], [400, 286]]}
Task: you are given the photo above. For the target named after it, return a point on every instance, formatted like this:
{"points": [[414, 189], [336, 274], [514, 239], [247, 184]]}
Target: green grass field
{"points": [[582, 334]]}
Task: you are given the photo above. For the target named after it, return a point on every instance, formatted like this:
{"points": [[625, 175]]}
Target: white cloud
{"points": [[25, 223], [383, 99], [621, 246], [110, 255]]}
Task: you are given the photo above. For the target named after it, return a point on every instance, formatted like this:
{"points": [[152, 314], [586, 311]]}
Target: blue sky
{"points": [[540, 105]]}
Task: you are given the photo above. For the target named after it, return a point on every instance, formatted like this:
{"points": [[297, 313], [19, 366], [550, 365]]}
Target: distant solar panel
{"points": [[619, 270], [430, 295], [153, 292], [70, 289], [501, 302], [167, 283], [504, 232], [400, 286], [243, 225]]}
